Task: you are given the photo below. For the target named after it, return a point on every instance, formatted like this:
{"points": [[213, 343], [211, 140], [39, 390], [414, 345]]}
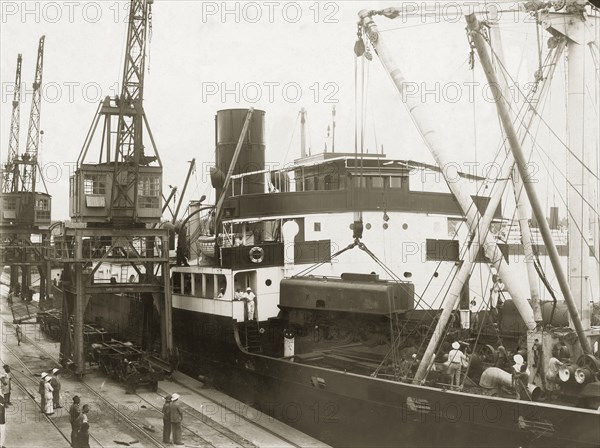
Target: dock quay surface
{"points": [[116, 419]]}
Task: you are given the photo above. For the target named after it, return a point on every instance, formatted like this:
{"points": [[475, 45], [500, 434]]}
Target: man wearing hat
{"points": [[6, 385], [166, 410], [176, 417], [55, 383], [520, 377], [456, 358], [249, 297], [74, 413], [519, 361], [79, 422], [49, 407], [19, 333], [42, 390]]}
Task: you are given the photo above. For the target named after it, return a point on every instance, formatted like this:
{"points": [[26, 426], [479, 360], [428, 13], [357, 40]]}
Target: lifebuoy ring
{"points": [[257, 254]]}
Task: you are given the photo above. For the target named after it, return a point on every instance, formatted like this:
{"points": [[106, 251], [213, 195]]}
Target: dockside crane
{"points": [[26, 212], [126, 185], [8, 184], [115, 205]]}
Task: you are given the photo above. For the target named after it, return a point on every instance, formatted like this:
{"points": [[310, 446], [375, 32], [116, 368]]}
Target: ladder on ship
{"points": [[252, 332]]}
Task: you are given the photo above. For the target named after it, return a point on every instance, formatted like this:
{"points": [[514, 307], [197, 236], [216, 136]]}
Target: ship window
{"points": [[187, 284], [317, 226], [359, 182], [176, 282], [395, 182], [377, 182], [331, 182], [94, 184], [221, 284], [442, 250], [309, 183], [10, 203], [149, 186]]}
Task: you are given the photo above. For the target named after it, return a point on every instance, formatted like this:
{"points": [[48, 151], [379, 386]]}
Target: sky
{"points": [[277, 56]]}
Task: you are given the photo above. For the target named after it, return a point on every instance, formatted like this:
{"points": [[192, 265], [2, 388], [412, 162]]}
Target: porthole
{"points": [[385, 226], [268, 282], [368, 226], [405, 226]]}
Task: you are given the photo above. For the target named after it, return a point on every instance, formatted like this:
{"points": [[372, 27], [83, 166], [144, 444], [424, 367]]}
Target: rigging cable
{"points": [[291, 138], [547, 125]]}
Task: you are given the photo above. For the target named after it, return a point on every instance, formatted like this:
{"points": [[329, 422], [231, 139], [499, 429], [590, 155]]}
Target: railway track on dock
{"points": [[203, 420], [32, 377], [198, 426], [243, 417], [145, 436]]}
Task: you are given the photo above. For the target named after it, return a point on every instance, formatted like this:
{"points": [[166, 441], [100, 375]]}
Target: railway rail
{"points": [[32, 377], [143, 433], [197, 425]]}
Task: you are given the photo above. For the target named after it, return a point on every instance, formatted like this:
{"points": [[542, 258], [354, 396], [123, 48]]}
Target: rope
{"points": [[549, 128], [309, 269], [291, 138]]}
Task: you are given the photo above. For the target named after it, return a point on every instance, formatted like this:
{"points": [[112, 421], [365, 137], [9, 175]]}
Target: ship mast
{"points": [[453, 297], [434, 143], [579, 33], [501, 104], [520, 198], [333, 124], [302, 133]]}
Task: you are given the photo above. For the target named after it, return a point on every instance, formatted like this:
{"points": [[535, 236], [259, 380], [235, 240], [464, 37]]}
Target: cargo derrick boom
{"points": [[28, 175]]}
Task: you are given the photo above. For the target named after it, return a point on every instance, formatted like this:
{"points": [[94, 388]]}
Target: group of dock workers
{"points": [[5, 387], [510, 375], [507, 375], [49, 390]]}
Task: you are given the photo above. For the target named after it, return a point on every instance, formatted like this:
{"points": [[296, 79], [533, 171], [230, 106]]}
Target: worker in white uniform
{"points": [[456, 359], [250, 297]]}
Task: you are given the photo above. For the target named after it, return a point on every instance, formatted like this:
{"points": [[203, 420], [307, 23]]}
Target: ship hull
{"points": [[345, 409]]}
